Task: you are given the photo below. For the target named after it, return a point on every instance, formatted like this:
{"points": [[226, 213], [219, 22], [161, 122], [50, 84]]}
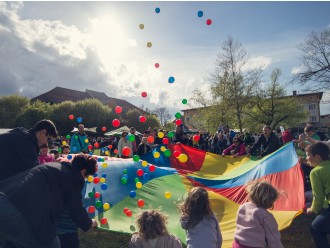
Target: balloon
{"points": [[157, 10], [167, 195], [177, 115], [59, 150], [144, 163], [95, 174], [91, 194], [126, 151], [97, 195], [98, 204], [109, 146], [149, 44], [165, 141], [106, 153], [79, 119], [91, 209], [156, 154], [104, 221], [132, 194], [142, 118], [106, 206], [102, 180], [99, 159], [64, 142], [96, 145], [136, 158], [141, 26], [103, 174], [176, 154], [140, 172], [151, 139], [128, 213], [208, 22], [76, 137], [86, 140], [90, 179], [160, 135], [68, 136], [104, 186], [115, 123], [115, 151], [183, 158], [136, 180], [178, 122], [144, 94], [152, 168], [123, 180], [71, 117], [125, 171], [69, 157], [146, 176], [200, 13], [125, 210], [138, 185], [171, 80], [118, 109], [184, 101], [130, 137], [196, 137], [104, 129], [140, 203], [163, 148], [157, 65], [167, 153], [96, 180], [170, 134]]}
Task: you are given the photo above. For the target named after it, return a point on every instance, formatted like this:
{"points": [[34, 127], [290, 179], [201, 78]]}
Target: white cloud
{"points": [[258, 62], [297, 69]]}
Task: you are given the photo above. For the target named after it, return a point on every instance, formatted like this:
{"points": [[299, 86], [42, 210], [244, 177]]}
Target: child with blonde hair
{"points": [[199, 221], [255, 226], [153, 232]]}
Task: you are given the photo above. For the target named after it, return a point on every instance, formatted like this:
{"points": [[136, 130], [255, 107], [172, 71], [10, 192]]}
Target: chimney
{"points": [[294, 92]]}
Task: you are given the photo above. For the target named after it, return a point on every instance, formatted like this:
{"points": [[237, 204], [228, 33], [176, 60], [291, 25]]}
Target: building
{"points": [[59, 94]]}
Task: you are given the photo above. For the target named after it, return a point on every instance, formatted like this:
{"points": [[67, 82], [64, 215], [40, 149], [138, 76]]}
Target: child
{"points": [[44, 157], [255, 226], [317, 156], [199, 221], [153, 232]]}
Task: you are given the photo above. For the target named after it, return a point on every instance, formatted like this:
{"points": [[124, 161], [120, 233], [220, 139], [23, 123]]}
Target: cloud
{"points": [[257, 62], [297, 69]]}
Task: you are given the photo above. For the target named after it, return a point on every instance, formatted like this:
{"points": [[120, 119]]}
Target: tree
{"points": [[270, 106], [315, 58], [163, 115], [11, 107]]}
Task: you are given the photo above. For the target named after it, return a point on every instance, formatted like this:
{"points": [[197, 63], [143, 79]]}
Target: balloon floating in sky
{"points": [[178, 122], [171, 80], [144, 94], [149, 44], [79, 119], [177, 115], [200, 13], [184, 101], [104, 129], [183, 158], [115, 123], [157, 10], [157, 65], [118, 109], [208, 22], [142, 118], [71, 117], [141, 26]]}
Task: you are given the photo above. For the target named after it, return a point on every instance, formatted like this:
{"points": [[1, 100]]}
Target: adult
{"points": [[144, 147], [19, 148], [236, 149], [136, 141], [78, 141], [33, 199], [268, 140], [122, 143]]}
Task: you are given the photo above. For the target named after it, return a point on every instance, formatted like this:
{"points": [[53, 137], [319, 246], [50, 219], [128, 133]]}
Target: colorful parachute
{"points": [[118, 184]]}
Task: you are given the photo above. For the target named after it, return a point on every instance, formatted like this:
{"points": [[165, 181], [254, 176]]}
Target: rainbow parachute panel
{"points": [[163, 183]]}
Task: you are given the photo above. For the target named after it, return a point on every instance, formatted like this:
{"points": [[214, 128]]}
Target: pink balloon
{"points": [[144, 94], [157, 65]]}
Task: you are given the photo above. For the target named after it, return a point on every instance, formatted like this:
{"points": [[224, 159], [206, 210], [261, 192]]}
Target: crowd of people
{"points": [[41, 190]]}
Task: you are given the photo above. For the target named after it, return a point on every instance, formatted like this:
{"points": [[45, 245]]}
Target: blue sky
{"points": [[99, 45]]}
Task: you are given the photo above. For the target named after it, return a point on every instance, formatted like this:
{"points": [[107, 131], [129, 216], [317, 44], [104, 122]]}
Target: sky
{"points": [[100, 45]]}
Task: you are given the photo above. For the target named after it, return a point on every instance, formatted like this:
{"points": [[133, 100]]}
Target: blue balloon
{"points": [[74, 149], [157, 10], [126, 176], [69, 157], [79, 119], [95, 174], [132, 194], [200, 13], [91, 153], [171, 80], [99, 159], [104, 186], [146, 176], [104, 175]]}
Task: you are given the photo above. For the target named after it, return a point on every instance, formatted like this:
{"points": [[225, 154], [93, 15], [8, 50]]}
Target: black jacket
{"points": [[141, 149], [18, 151], [270, 145], [40, 194]]}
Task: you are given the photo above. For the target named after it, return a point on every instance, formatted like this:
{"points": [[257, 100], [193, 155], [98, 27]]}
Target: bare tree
{"points": [[315, 58], [163, 115]]}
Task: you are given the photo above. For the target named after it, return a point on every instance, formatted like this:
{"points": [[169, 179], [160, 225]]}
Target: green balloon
{"points": [[76, 136], [102, 159], [125, 171], [167, 153], [98, 204], [184, 101], [68, 136], [136, 158], [59, 150], [170, 134], [178, 115], [91, 194], [123, 180], [137, 180], [131, 137]]}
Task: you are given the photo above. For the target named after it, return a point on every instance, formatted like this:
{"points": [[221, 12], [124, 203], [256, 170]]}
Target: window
{"points": [[312, 118], [312, 106]]}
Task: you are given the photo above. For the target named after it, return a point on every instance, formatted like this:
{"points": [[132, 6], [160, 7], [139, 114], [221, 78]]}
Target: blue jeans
{"points": [[16, 230], [320, 227]]}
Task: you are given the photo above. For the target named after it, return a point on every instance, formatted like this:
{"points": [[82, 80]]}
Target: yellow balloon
{"points": [[106, 206], [102, 180], [64, 143], [156, 155], [163, 148], [138, 185], [149, 44], [104, 165], [183, 158], [167, 195], [141, 26], [86, 140], [160, 135], [106, 153], [90, 179], [144, 163]]}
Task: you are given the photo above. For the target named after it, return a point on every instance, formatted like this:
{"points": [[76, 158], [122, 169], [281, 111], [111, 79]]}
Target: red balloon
{"points": [[104, 221], [115, 151], [115, 123], [144, 94], [165, 141], [140, 172], [104, 129], [129, 213], [96, 145], [176, 154], [110, 146], [152, 168], [178, 122], [142, 118], [157, 65], [126, 151], [118, 109], [96, 180], [97, 195], [151, 139], [140, 203], [196, 137], [125, 210], [90, 147], [71, 117], [208, 21], [91, 209]]}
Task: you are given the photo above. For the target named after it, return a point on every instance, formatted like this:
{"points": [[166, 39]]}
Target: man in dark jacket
{"points": [[33, 199], [19, 148], [268, 140]]}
